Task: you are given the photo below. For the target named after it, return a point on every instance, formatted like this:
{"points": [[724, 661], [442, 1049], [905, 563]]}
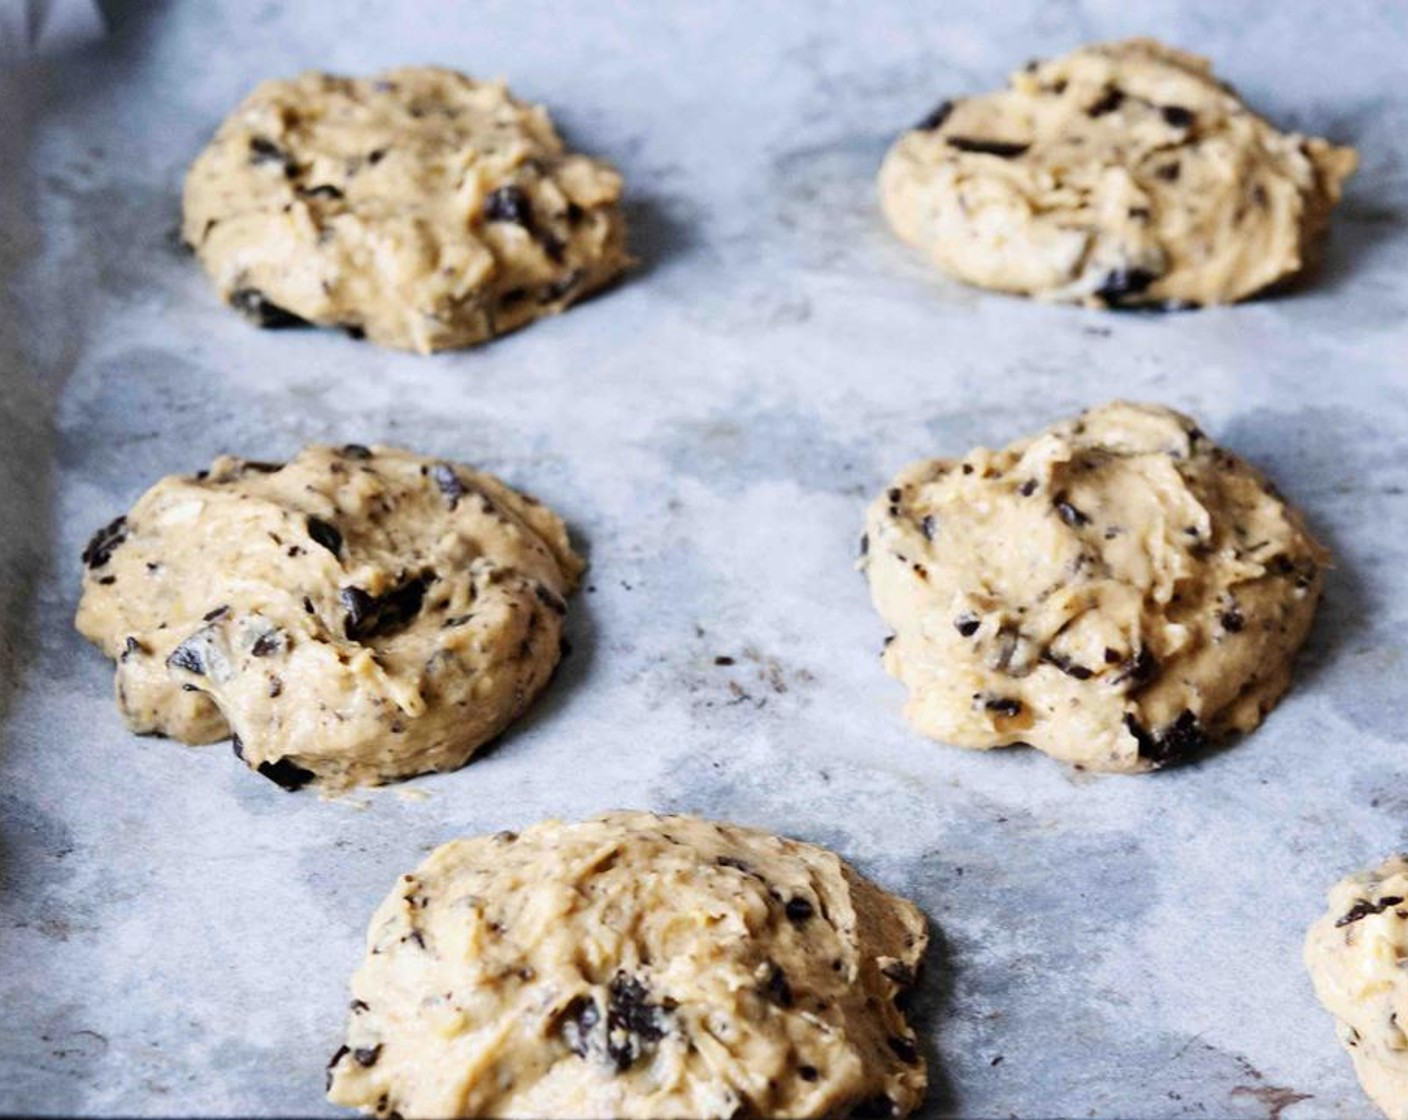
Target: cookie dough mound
{"points": [[1114, 591], [353, 616], [421, 209], [1123, 174], [634, 965], [1355, 956]]}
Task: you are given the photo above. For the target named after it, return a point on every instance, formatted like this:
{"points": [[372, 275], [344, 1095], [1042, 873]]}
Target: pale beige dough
{"points": [[1355, 955], [1121, 174], [353, 616], [421, 208], [1114, 591], [634, 965]]}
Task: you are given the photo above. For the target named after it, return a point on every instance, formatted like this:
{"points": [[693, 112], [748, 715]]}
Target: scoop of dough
{"points": [[1121, 174], [353, 616], [420, 208], [1355, 955], [1113, 591], [634, 965]]}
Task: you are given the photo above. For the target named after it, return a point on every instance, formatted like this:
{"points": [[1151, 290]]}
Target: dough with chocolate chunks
{"points": [[1123, 174], [1355, 955], [634, 965], [1114, 591], [420, 208], [353, 616]]}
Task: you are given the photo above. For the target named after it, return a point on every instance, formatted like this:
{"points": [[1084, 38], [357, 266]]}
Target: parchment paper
{"points": [[176, 934]]}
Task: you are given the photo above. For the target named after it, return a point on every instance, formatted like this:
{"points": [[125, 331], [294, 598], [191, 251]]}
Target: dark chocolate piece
{"points": [[366, 1056], [509, 204], [935, 117], [286, 774], [371, 617], [904, 1049], [1177, 116], [798, 909], [1364, 908], [326, 534], [632, 1022], [250, 303], [1069, 514], [576, 1023], [1001, 148], [342, 1052], [1113, 98], [187, 656], [102, 544], [1122, 283], [775, 987], [448, 482], [1183, 737]]}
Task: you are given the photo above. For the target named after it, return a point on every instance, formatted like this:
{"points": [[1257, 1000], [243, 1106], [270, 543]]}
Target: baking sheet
{"points": [[176, 935]]}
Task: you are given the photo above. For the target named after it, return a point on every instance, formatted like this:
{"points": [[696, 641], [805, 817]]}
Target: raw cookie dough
{"points": [[353, 616], [1113, 591], [1122, 174], [634, 965], [420, 208], [1355, 955]]}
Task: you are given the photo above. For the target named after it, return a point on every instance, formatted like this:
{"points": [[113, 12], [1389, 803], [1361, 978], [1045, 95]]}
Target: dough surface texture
{"points": [[1123, 174], [420, 208], [353, 616], [1114, 591], [1355, 956], [634, 965]]}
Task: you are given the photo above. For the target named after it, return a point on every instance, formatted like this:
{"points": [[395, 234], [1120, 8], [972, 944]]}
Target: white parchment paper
{"points": [[176, 934]]}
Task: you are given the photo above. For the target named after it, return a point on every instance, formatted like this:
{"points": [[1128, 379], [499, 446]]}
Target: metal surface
{"points": [[176, 934]]}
